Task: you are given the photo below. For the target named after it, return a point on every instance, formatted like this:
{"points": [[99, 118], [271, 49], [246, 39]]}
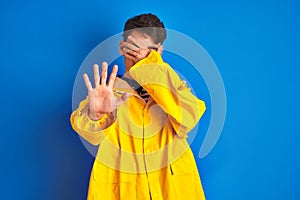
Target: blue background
{"points": [[255, 45]]}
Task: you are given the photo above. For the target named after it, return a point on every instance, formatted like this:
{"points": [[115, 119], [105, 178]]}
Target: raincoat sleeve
{"points": [[92, 131], [166, 88]]}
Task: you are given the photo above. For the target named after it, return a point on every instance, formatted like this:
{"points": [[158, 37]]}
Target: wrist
{"points": [[95, 116]]}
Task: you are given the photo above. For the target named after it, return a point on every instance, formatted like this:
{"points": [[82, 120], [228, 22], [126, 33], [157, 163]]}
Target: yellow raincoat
{"points": [[143, 152]]}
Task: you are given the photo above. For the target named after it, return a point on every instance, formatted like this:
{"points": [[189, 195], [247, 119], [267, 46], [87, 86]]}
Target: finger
{"points": [[130, 46], [130, 57], [104, 73], [87, 82], [144, 53], [136, 42], [96, 75], [131, 52], [113, 76]]}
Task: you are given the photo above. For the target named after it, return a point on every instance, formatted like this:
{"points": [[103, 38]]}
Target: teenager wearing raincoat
{"points": [[140, 122]]}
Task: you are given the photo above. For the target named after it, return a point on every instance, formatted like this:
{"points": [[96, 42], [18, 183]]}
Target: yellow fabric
{"points": [[143, 152]]}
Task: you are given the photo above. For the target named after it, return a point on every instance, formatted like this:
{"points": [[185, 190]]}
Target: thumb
{"points": [[120, 100]]}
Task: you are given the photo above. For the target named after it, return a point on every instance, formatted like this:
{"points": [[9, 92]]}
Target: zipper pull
{"points": [[172, 173]]}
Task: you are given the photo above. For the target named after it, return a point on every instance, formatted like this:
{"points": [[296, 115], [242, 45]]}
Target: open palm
{"points": [[101, 98]]}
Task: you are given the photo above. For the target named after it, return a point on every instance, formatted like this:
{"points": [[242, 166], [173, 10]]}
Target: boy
{"points": [[141, 121]]}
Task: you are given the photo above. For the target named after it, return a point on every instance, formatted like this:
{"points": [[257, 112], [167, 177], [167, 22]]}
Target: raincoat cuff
{"points": [[153, 58]]}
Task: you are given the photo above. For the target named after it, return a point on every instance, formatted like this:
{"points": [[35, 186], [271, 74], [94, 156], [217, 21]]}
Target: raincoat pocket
{"points": [[185, 165], [183, 178], [109, 183], [182, 184], [105, 174]]}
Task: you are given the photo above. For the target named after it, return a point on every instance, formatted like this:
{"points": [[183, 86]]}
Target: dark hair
{"points": [[147, 23]]}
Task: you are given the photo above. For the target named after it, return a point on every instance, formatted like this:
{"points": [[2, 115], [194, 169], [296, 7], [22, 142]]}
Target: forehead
{"points": [[141, 37]]}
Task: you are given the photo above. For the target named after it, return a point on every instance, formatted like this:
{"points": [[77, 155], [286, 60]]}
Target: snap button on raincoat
{"points": [[143, 153]]}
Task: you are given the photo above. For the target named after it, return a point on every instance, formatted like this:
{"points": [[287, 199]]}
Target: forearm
{"points": [[165, 87], [91, 126]]}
